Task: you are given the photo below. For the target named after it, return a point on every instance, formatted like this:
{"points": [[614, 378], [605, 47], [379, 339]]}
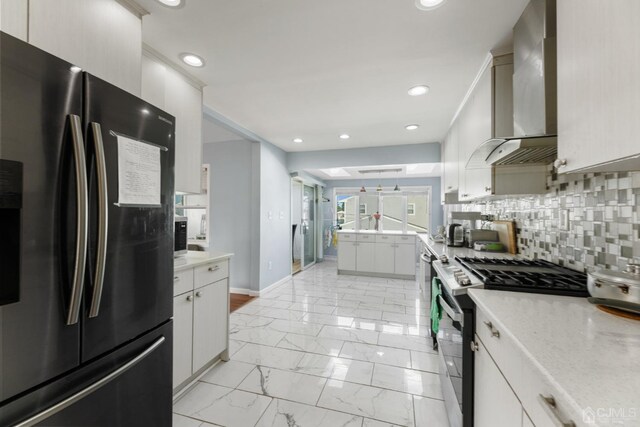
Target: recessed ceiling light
{"points": [[418, 90], [428, 4], [344, 136], [411, 127], [171, 3], [192, 59], [297, 140]]}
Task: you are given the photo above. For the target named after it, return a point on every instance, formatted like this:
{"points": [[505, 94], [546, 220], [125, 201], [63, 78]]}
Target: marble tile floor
{"points": [[324, 350]]}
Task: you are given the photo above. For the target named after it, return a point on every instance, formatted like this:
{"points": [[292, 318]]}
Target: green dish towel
{"points": [[436, 310]]}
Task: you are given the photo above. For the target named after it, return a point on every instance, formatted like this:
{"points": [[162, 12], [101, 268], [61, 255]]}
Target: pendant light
{"points": [[363, 190], [379, 189], [396, 188]]}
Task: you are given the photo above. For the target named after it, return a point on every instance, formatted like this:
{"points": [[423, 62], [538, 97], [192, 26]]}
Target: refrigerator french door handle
{"points": [[92, 388], [103, 219], [82, 212]]}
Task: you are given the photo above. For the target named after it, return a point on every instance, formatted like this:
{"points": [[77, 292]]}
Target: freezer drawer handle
{"points": [[82, 212], [92, 388], [103, 220]]}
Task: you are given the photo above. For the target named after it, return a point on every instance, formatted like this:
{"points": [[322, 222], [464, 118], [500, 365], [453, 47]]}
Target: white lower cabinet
{"points": [[495, 404], [209, 323], [405, 258], [347, 256], [200, 320], [385, 254], [182, 337], [365, 256], [384, 258]]}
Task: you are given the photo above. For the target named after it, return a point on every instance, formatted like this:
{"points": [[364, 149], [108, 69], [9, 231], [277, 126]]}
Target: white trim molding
{"points": [[241, 291], [271, 286], [134, 7]]}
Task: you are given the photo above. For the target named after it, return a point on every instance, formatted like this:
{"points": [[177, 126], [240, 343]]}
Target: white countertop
{"points": [[196, 258], [591, 357], [394, 232], [450, 251]]}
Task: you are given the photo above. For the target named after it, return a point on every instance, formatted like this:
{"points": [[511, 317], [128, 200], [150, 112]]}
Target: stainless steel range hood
{"points": [[535, 124]]}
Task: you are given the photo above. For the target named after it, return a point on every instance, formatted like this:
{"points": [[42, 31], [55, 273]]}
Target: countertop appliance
{"points": [[86, 295], [455, 235], [180, 238], [616, 289], [482, 235]]}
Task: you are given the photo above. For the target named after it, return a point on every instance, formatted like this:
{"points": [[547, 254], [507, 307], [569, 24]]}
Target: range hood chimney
{"points": [[535, 123]]}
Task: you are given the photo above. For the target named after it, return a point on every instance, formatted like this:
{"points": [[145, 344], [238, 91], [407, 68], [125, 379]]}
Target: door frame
{"points": [[314, 229]]}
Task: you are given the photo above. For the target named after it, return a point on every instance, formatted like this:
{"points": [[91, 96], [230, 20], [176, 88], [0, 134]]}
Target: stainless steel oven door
{"points": [[424, 277], [450, 347]]}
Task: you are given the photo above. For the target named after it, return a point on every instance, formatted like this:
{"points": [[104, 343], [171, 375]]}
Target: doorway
{"points": [[303, 225]]}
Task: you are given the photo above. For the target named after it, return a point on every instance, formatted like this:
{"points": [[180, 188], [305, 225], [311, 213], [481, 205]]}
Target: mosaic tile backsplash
{"points": [[604, 220]]}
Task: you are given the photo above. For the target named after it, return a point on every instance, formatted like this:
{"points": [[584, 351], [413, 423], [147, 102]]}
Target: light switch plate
{"points": [[564, 219]]}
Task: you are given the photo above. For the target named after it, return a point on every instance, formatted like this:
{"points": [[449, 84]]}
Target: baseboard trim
{"points": [[271, 286], [331, 258], [241, 291]]}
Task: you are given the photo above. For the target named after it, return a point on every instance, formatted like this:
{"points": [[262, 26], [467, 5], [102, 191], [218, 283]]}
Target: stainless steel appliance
{"points": [[616, 289], [180, 238], [86, 294], [457, 327], [455, 235]]}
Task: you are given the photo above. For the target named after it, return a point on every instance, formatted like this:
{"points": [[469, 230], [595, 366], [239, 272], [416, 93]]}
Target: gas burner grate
{"points": [[526, 276]]}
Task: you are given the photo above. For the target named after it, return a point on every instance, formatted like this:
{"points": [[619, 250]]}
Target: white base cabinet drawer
{"points": [[210, 273], [182, 282]]}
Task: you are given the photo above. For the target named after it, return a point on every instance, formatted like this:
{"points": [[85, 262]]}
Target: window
{"points": [[407, 210]]}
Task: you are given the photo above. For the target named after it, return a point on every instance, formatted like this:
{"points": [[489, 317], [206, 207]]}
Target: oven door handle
{"points": [[425, 258], [456, 316]]}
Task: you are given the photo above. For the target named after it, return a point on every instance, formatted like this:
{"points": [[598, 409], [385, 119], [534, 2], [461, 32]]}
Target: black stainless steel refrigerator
{"points": [[85, 281]]}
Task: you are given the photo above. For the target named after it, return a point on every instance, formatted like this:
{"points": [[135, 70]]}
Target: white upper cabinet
{"points": [[14, 17], [598, 84], [174, 92], [450, 160], [101, 36]]}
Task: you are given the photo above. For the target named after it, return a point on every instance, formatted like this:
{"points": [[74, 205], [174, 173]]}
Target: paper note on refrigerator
{"points": [[138, 172]]}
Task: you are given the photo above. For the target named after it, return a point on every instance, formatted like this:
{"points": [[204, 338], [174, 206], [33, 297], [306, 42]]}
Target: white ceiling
{"points": [[315, 69], [416, 170]]}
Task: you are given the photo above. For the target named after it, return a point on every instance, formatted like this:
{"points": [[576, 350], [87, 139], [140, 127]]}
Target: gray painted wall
{"points": [[230, 183], [328, 208], [393, 155], [275, 215]]}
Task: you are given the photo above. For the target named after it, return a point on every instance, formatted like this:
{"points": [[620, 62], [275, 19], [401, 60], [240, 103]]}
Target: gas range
{"points": [[519, 275]]}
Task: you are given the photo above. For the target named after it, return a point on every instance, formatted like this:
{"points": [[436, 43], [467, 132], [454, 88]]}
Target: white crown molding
{"points": [[133, 7], [154, 54]]}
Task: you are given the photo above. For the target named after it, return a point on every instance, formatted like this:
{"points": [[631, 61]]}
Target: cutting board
{"points": [[507, 235]]}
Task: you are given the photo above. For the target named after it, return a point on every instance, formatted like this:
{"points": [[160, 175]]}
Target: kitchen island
{"points": [[559, 360], [391, 254]]}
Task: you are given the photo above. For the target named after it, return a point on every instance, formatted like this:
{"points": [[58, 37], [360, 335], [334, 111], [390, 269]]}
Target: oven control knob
{"points": [[465, 281], [474, 346], [444, 259]]}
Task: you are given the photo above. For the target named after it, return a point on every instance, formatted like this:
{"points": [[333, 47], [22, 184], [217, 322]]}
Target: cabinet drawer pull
{"points": [[494, 332], [214, 268], [189, 298], [551, 407], [176, 279]]}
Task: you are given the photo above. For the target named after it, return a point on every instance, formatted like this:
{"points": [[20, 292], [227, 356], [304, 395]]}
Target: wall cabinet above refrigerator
{"points": [[175, 92]]}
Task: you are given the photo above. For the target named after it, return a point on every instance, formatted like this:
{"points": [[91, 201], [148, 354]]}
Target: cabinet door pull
{"points": [[551, 407], [494, 332], [189, 298], [198, 294], [176, 279]]}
